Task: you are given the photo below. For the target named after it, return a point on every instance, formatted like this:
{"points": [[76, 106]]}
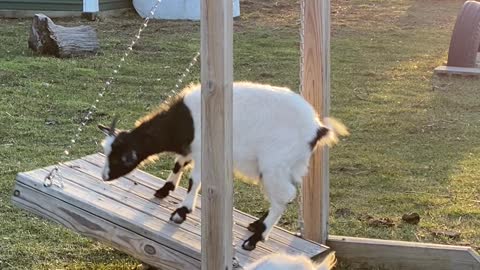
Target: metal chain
{"points": [[236, 264], [55, 177], [302, 36], [187, 71], [50, 178], [300, 219]]}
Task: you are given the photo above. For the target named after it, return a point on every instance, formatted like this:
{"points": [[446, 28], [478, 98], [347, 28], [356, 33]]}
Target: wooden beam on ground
{"points": [[216, 160], [386, 254], [461, 71], [316, 89]]}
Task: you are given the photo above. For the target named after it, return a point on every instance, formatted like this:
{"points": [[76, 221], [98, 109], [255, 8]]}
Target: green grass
{"points": [[413, 148]]}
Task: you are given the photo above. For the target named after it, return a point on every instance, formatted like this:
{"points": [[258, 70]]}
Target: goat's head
{"points": [[120, 152]]}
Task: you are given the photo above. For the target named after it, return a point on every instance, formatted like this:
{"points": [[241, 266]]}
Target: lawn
{"points": [[413, 145]]}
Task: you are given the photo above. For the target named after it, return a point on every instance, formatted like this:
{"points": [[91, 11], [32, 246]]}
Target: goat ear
{"points": [[106, 130]]}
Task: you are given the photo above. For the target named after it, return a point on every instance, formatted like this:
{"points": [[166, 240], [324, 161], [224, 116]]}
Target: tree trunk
{"points": [[51, 39]]}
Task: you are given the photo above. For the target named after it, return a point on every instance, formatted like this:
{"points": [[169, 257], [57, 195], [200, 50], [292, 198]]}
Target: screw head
{"points": [[149, 249], [16, 193]]}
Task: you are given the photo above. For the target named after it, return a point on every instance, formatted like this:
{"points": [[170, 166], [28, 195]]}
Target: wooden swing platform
{"points": [[124, 214]]}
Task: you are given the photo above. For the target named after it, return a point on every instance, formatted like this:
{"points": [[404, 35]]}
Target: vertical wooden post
{"points": [[216, 163], [316, 89]]}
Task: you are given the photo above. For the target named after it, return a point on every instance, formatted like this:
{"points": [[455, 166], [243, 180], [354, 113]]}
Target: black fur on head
{"points": [[119, 147], [169, 129], [122, 157]]}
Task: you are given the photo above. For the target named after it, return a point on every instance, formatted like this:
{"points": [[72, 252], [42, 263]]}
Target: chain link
{"points": [[300, 219], [50, 179]]}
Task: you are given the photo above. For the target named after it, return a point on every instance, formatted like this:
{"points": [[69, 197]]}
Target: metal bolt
{"points": [[16, 193]]}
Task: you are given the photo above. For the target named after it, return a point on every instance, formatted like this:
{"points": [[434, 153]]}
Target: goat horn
{"points": [[112, 126]]}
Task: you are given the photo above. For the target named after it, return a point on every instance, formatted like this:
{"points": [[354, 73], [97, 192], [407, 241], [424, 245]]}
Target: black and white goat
{"points": [[274, 133]]}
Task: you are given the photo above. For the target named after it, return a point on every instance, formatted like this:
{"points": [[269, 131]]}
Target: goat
{"points": [[274, 133], [279, 261]]}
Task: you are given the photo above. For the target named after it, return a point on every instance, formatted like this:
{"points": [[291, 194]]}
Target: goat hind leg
{"points": [[280, 191]]}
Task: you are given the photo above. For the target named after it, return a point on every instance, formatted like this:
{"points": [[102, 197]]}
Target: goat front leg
{"points": [[280, 191], [188, 204], [174, 177]]}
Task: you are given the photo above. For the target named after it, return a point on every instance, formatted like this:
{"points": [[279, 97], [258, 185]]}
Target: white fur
{"points": [[291, 262], [272, 131], [107, 149], [175, 177], [272, 128]]}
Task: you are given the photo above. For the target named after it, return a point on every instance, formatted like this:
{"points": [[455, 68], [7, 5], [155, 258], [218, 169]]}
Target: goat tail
{"points": [[328, 262], [335, 129]]}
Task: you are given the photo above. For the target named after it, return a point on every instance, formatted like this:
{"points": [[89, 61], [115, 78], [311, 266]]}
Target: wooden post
{"points": [[217, 183], [316, 89]]}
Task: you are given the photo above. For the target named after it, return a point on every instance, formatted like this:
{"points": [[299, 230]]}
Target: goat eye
{"points": [[130, 158]]}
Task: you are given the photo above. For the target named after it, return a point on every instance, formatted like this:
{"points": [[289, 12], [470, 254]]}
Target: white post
{"points": [[91, 6], [216, 160]]}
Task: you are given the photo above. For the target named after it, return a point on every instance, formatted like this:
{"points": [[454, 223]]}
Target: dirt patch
{"points": [[281, 13], [421, 14], [380, 222]]}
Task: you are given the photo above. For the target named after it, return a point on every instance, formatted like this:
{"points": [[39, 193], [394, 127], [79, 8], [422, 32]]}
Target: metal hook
{"points": [[49, 179]]}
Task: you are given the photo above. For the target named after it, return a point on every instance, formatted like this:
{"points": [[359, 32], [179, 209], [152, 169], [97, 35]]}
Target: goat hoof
{"points": [[251, 243], [165, 190], [179, 215], [248, 246]]}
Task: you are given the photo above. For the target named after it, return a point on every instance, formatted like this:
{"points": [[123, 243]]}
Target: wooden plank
{"points": [[362, 252], [287, 241], [154, 213], [462, 71], [117, 190], [216, 133], [146, 250], [158, 230], [140, 199], [307, 247], [128, 204], [194, 219], [155, 217], [316, 90]]}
